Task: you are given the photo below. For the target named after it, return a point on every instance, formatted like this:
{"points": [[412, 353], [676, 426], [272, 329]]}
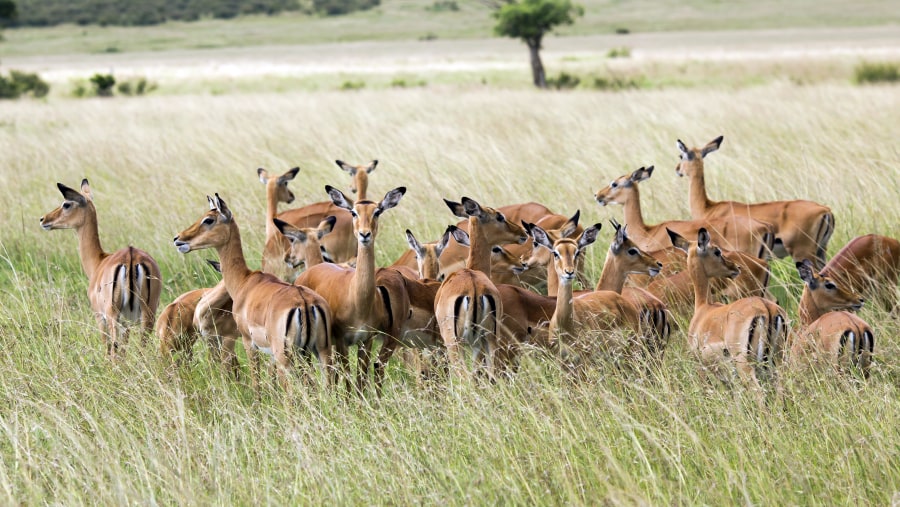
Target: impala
{"points": [[273, 317], [305, 243], [203, 312], [868, 265], [364, 306], [276, 191], [750, 332], [802, 228], [468, 306], [340, 245], [123, 286], [827, 331], [735, 233]]}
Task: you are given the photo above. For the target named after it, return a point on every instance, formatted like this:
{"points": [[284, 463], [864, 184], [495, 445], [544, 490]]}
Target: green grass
{"points": [[77, 429]]}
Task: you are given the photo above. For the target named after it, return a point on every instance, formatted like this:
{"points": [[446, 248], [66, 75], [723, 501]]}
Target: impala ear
{"points": [[223, 209], [712, 146], [290, 232], [805, 268], [461, 236], [346, 167], [289, 175], [70, 194], [570, 226], [86, 190], [414, 244], [215, 265], [442, 244], [618, 240], [641, 174], [678, 241], [338, 198], [371, 166], [326, 226], [702, 239], [686, 154], [472, 208], [456, 208], [391, 199], [263, 175], [540, 237], [589, 236]]}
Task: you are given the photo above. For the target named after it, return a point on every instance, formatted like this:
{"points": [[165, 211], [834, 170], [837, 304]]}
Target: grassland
{"points": [[79, 430]]}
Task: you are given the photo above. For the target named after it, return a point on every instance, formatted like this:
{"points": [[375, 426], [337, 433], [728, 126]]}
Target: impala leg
{"points": [[363, 356], [229, 359], [342, 366], [451, 343], [384, 355], [253, 359], [326, 365], [147, 321]]}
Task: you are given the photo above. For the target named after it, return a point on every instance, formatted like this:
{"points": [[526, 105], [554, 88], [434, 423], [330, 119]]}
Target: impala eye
{"points": [[208, 221], [66, 205], [500, 217], [353, 214], [614, 185], [830, 286], [556, 254], [496, 249], [632, 251], [718, 253]]}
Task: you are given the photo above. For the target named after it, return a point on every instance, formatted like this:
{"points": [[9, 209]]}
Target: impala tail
{"points": [[857, 347], [307, 329], [132, 281], [826, 229], [474, 317]]}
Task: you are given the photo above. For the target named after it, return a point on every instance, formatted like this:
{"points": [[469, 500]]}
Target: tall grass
{"points": [[77, 429]]}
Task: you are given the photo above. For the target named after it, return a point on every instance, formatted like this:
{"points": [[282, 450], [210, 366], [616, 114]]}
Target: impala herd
{"points": [[471, 289]]}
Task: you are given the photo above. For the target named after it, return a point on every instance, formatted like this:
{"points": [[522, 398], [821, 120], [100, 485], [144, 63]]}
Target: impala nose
{"points": [[365, 237]]}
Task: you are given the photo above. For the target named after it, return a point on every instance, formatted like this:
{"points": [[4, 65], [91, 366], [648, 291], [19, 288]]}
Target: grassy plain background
{"points": [[77, 430]]}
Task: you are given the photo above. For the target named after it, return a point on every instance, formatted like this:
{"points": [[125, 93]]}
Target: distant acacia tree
{"points": [[7, 12], [530, 20]]}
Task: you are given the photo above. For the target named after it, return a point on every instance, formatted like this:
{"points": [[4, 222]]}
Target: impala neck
{"points": [[362, 185], [612, 277], [700, 281], [634, 219], [314, 255], [552, 280], [89, 248], [231, 255], [564, 316], [808, 310], [362, 285], [271, 208], [697, 195], [479, 257]]}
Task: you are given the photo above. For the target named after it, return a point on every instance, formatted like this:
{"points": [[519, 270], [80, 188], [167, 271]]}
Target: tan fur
{"points": [[276, 191], [340, 245], [286, 320], [356, 299], [749, 334], [802, 227], [738, 233], [828, 333], [868, 265], [468, 306], [123, 286]]}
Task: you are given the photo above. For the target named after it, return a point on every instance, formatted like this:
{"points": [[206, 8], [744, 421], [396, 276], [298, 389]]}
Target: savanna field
{"points": [[76, 428]]}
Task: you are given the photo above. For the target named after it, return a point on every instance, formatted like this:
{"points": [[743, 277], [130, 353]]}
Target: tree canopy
{"points": [[531, 19]]}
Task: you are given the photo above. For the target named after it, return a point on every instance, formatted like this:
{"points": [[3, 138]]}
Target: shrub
{"points": [[622, 31], [103, 84], [615, 83], [137, 86], [622, 52], [22, 83], [338, 7], [401, 83], [877, 72], [443, 6], [428, 36], [353, 85], [564, 81]]}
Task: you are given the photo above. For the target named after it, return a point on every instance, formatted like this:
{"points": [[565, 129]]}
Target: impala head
{"points": [[708, 256], [74, 209], [428, 254], [305, 242], [359, 173], [541, 256], [279, 184], [621, 189], [365, 213], [212, 230], [565, 250], [691, 160], [825, 293], [496, 228], [502, 260], [631, 258]]}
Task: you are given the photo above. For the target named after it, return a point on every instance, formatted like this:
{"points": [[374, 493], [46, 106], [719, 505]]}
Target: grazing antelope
{"points": [[802, 228], [827, 331], [123, 286], [203, 312], [738, 233], [750, 332], [276, 191], [468, 307], [868, 265], [340, 245], [273, 317], [454, 256], [364, 305]]}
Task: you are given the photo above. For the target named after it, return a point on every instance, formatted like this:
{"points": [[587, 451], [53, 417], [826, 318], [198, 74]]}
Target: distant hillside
{"points": [[140, 12]]}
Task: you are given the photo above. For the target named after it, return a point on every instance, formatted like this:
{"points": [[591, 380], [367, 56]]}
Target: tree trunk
{"points": [[537, 68]]}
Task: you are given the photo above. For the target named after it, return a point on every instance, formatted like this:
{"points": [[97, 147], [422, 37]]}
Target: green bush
{"points": [[103, 84], [877, 72], [615, 83], [564, 81], [22, 83], [338, 7], [137, 86], [622, 52], [353, 85], [443, 6], [622, 31]]}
